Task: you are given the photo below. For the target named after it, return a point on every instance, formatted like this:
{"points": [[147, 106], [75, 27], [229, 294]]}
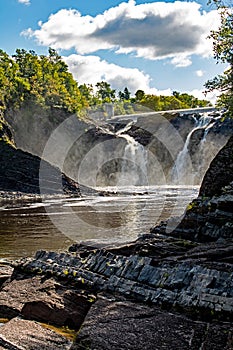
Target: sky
{"points": [[155, 46]]}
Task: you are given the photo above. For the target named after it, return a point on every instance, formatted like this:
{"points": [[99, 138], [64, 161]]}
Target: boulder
{"points": [[114, 325], [5, 273], [19, 334], [44, 300]]}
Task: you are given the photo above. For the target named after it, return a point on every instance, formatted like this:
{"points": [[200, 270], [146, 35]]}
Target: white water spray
{"points": [[183, 171], [134, 164]]}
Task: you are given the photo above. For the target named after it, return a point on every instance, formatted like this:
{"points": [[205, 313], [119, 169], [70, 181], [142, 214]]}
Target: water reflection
{"points": [[56, 223]]}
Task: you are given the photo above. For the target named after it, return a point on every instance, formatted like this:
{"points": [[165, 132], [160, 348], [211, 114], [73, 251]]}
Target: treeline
{"points": [[45, 80]]}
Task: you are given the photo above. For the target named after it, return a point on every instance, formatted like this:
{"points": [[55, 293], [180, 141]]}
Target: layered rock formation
{"points": [[167, 290]]}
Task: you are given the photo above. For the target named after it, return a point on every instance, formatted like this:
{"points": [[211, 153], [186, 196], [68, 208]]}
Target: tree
{"points": [[139, 95], [45, 80], [105, 92], [223, 52], [125, 95], [190, 101]]}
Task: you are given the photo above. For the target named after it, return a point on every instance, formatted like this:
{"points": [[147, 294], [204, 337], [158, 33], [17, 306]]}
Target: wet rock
{"points": [[19, 334], [209, 217], [45, 301], [125, 325]]}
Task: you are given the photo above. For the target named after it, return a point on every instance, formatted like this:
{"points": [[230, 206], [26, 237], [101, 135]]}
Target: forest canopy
{"points": [[45, 80]]}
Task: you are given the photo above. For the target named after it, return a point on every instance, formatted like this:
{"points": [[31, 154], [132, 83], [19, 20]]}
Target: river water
{"points": [[56, 223]]}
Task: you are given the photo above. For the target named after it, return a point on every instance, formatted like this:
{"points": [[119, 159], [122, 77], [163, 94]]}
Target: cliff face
{"points": [[210, 216], [220, 173], [19, 172]]}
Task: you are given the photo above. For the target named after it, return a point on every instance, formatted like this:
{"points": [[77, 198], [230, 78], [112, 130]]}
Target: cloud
{"points": [[210, 96], [91, 69], [181, 61], [153, 31], [199, 73], [25, 2]]}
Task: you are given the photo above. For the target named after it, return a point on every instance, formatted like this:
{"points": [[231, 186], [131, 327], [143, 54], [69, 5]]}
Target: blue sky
{"points": [[151, 45]]}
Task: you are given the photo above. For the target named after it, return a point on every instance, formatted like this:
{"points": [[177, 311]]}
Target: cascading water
{"points": [[184, 172], [134, 163]]}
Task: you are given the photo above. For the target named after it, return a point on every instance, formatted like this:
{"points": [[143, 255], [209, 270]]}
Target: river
{"points": [[56, 223]]}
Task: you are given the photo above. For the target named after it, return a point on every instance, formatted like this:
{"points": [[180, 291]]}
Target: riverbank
{"points": [[166, 290], [154, 293]]}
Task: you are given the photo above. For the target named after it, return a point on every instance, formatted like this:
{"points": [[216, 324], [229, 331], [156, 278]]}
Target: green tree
{"points": [[152, 102], [46, 80], [125, 95], [189, 101], [105, 92], [139, 95], [223, 52]]}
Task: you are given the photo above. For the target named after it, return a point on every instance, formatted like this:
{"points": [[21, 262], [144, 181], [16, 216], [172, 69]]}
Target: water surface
{"points": [[56, 223]]}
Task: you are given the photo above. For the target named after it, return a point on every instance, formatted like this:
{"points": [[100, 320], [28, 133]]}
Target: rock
{"points": [[5, 273], [19, 334], [44, 300], [220, 173], [190, 281], [209, 217], [19, 172], [125, 325]]}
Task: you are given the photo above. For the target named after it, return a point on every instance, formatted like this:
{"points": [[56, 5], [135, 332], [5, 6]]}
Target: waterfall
{"points": [[184, 171], [134, 163]]}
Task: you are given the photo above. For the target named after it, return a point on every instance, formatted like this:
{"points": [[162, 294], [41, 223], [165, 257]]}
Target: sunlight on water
{"points": [[120, 216]]}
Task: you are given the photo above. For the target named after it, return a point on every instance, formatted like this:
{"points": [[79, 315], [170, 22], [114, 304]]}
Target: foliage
{"points": [[44, 80], [164, 103], [105, 93], [125, 95], [27, 78], [223, 52], [139, 95]]}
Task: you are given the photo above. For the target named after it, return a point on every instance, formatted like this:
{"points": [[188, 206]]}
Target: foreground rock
{"points": [[191, 282], [21, 334], [46, 301], [59, 289], [114, 325]]}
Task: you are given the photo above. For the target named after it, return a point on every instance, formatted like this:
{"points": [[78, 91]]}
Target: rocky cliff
{"points": [[163, 137], [167, 290], [19, 172], [210, 216]]}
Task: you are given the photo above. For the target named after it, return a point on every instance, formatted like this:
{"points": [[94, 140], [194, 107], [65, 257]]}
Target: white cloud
{"points": [[210, 96], [91, 69], [25, 2], [154, 31], [199, 73], [181, 61]]}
